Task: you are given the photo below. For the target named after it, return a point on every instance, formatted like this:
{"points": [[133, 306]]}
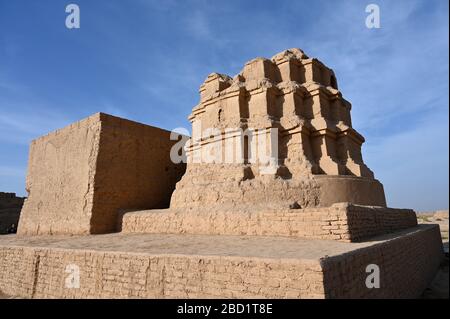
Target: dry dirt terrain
{"points": [[439, 288], [439, 217]]}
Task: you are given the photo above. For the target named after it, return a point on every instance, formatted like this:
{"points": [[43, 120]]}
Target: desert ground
{"points": [[439, 288]]}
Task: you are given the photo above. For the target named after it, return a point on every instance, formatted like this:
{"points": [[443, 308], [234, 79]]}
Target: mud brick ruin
{"points": [[318, 161], [275, 201], [10, 206], [81, 176]]}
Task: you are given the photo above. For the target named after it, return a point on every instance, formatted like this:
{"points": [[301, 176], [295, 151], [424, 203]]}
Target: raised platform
{"points": [[343, 221], [207, 266]]}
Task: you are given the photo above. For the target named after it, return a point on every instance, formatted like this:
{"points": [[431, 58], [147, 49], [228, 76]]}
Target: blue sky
{"points": [[144, 60]]}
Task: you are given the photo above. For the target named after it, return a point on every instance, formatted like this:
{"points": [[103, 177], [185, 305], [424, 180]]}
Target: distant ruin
{"points": [[10, 207]]}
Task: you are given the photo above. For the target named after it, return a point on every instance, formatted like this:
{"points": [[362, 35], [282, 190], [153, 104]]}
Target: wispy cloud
{"points": [[109, 108], [413, 165], [11, 171], [198, 25], [23, 125]]}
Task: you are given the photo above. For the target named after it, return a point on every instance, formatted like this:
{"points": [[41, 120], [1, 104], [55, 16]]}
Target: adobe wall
{"points": [[407, 265], [239, 189], [408, 261], [134, 170], [40, 273], [356, 190], [342, 221], [79, 176], [60, 180]]}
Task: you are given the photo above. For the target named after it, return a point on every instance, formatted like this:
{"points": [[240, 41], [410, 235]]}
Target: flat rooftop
{"points": [[203, 245]]}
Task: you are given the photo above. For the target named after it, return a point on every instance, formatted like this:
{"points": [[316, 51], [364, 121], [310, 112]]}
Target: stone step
{"points": [[342, 221]]}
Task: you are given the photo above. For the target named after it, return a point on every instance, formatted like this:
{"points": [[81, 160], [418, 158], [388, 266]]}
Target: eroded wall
{"points": [[134, 170], [79, 177], [408, 263], [60, 180], [341, 222]]}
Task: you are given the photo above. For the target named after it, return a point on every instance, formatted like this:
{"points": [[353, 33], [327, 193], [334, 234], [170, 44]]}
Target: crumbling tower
{"points": [[277, 133]]}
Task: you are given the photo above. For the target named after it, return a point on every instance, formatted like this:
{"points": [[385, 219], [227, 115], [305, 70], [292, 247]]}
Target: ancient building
{"points": [[276, 202], [276, 139], [291, 101]]}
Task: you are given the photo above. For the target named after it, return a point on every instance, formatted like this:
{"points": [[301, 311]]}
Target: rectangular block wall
{"points": [[80, 176], [342, 222], [406, 266], [42, 273]]}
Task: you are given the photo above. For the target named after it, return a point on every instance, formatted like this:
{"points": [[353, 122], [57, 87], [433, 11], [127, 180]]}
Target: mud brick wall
{"points": [[407, 261], [10, 207], [4, 195], [364, 222], [341, 221], [407, 265], [41, 273], [80, 176]]}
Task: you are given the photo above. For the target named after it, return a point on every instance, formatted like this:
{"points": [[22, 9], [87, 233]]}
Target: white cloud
{"points": [[21, 125], [198, 25], [413, 165], [10, 171]]}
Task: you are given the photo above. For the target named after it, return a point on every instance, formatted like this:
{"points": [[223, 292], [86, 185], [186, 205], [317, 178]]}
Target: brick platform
{"points": [[341, 221], [199, 266]]}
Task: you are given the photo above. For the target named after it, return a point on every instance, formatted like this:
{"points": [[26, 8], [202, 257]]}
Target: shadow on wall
{"points": [[10, 207]]}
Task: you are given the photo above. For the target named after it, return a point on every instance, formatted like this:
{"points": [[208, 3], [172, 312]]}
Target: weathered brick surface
{"points": [[299, 145], [407, 260], [40, 273], [407, 265], [341, 221], [364, 222], [80, 176]]}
